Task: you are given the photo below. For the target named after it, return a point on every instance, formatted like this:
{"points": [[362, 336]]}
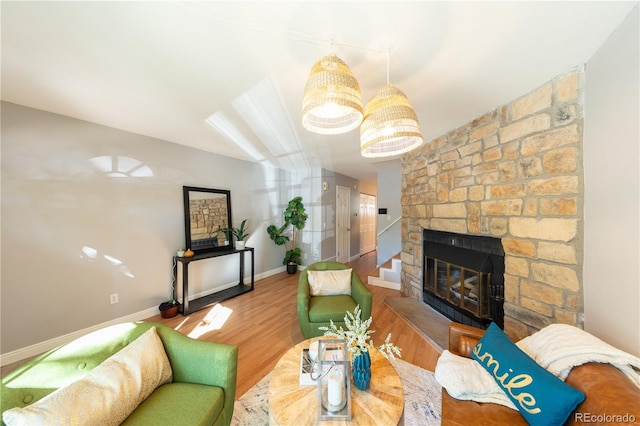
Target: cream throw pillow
{"points": [[330, 283], [108, 393]]}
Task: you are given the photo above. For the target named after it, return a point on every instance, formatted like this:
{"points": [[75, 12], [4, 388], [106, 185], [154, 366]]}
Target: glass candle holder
{"points": [[334, 380], [334, 391], [326, 351]]}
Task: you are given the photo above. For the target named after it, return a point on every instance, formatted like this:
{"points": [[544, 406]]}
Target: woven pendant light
{"points": [[332, 101], [390, 126]]}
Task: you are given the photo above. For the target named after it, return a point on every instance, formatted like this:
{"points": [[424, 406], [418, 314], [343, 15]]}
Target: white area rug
{"points": [[422, 399]]}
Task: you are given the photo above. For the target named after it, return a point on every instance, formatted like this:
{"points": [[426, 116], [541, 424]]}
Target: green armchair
{"points": [[204, 375], [318, 311]]}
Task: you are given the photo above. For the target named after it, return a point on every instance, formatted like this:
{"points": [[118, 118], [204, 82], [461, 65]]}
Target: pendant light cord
{"points": [[388, 62]]}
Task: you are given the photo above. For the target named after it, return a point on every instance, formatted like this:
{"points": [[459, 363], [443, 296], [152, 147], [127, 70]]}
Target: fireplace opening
{"points": [[463, 277]]}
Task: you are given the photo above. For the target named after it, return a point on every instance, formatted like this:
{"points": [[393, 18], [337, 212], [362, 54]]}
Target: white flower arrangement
{"points": [[357, 335]]}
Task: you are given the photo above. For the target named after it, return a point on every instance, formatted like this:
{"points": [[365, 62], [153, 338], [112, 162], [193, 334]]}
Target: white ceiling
{"points": [[162, 68]]}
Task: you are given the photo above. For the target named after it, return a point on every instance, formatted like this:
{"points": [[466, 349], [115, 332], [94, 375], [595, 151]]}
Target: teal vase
{"points": [[362, 371]]}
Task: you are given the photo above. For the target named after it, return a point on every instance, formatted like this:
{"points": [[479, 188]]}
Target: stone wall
{"points": [[208, 216], [514, 173]]}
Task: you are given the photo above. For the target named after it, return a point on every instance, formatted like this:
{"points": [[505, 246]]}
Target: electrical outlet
{"points": [[113, 298]]}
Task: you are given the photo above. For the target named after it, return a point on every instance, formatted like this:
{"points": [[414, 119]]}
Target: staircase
{"points": [[388, 274]]}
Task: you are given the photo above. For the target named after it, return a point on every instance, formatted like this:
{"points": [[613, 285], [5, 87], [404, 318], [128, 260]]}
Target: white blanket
{"points": [[560, 347], [466, 379]]}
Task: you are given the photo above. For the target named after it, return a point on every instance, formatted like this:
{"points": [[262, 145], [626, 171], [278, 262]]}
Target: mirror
{"points": [[206, 212]]}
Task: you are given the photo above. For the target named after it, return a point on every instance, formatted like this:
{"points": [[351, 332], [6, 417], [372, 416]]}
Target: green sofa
{"points": [[318, 311], [202, 391]]}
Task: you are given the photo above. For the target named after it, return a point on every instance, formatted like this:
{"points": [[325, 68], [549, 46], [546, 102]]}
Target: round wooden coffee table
{"points": [[292, 404]]}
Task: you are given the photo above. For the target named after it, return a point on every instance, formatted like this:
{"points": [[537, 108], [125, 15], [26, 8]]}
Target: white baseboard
{"points": [[267, 274], [38, 348], [383, 283], [47, 345]]}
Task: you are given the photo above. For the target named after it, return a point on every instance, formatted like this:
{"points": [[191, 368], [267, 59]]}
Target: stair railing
{"points": [[390, 225]]}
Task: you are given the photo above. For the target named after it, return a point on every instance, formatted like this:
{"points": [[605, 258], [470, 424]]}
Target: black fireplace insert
{"points": [[463, 277]]}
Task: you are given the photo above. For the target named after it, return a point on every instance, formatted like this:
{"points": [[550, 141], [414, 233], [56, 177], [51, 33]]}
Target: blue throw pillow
{"points": [[542, 398]]}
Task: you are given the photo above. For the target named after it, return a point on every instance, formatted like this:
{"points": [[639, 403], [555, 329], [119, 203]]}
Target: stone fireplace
{"points": [[463, 277], [514, 174]]}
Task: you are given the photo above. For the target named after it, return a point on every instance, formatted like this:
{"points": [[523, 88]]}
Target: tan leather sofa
{"points": [[609, 393]]}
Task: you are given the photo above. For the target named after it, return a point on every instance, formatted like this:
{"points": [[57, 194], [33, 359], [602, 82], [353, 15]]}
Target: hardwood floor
{"points": [[264, 325]]}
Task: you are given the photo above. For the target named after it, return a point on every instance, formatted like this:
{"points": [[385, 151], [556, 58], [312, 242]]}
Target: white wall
{"points": [[72, 234], [612, 189], [389, 188]]}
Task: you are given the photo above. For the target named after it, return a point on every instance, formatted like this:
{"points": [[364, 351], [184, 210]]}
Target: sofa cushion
{"points": [[541, 397], [330, 282], [324, 309], [179, 404], [107, 394]]}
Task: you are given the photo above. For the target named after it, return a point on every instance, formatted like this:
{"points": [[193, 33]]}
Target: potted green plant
{"points": [[169, 309], [240, 234], [295, 218]]}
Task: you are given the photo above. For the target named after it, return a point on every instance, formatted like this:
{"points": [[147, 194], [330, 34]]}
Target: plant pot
{"points": [[362, 371], [168, 309], [292, 268], [239, 245]]}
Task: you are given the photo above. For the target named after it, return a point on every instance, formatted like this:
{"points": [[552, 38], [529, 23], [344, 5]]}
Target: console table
{"points": [[189, 306]]}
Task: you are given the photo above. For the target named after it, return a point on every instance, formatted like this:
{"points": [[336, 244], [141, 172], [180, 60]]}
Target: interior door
{"points": [[343, 224], [367, 223]]}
